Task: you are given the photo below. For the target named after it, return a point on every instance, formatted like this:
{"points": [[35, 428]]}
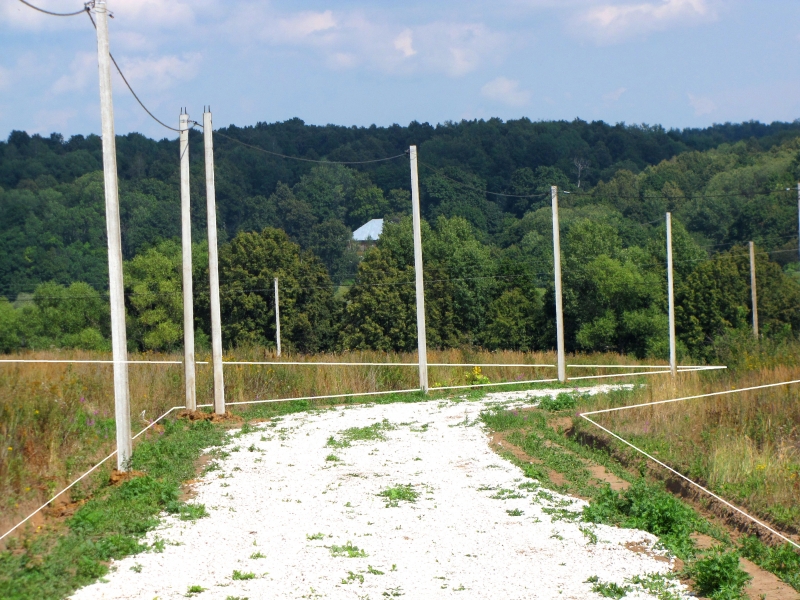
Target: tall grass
{"points": [[745, 446], [56, 420]]}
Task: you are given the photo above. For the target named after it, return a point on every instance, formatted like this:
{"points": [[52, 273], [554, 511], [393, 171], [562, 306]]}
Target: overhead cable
{"points": [[464, 185], [300, 158], [55, 14], [121, 74]]}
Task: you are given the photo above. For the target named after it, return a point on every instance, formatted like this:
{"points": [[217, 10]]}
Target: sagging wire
{"points": [[55, 14], [300, 158]]}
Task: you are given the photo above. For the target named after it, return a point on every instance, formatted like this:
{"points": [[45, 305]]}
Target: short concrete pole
{"points": [[562, 363], [277, 319], [213, 267], [119, 341], [422, 342], [753, 294], [673, 355], [189, 379]]}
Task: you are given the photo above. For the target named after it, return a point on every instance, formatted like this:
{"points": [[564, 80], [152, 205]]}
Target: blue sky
{"points": [[680, 63]]}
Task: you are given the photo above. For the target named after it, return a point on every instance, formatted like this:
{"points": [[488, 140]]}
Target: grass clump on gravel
{"points": [[112, 523], [399, 493], [608, 589], [195, 589], [372, 432], [242, 575], [348, 550]]}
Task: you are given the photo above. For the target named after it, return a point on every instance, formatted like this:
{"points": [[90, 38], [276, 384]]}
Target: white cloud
{"points": [[405, 43], [161, 72], [615, 95], [167, 14], [615, 22], [506, 91], [702, 105], [82, 72], [304, 24], [457, 48]]}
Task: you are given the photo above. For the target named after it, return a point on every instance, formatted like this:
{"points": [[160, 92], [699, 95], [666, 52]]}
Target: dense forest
{"points": [[487, 235]]}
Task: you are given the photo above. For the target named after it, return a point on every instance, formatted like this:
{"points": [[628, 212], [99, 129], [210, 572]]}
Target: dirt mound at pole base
{"points": [[198, 415]]}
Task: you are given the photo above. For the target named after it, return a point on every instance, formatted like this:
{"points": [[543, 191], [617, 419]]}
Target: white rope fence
{"points": [[670, 469], [26, 519]]}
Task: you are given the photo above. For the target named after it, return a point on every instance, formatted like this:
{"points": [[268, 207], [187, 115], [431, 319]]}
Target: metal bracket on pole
{"points": [[753, 293], [673, 355], [422, 344], [189, 378], [562, 363], [119, 342], [277, 319], [213, 267]]}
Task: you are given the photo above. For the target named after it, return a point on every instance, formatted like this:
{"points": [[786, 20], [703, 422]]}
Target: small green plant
{"points": [[348, 550], [314, 536], [185, 511], [332, 458], [353, 577], [137, 568], [718, 575], [514, 513], [242, 576], [257, 555], [563, 401], [588, 533], [373, 571], [399, 493], [195, 589], [608, 589]]}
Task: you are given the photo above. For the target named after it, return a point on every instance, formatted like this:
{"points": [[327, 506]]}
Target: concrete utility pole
{"points": [[673, 355], [422, 342], [562, 363], [119, 342], [213, 267], [186, 246], [277, 319], [753, 294], [798, 216]]}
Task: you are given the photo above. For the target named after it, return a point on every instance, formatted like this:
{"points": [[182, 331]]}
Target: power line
{"points": [[55, 14], [464, 185], [121, 74], [299, 158]]}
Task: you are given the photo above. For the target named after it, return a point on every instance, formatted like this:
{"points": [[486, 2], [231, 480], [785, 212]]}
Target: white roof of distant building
{"points": [[369, 231]]}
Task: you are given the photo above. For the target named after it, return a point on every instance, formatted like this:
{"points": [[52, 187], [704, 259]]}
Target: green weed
{"points": [[608, 589], [257, 555], [399, 493], [783, 560], [195, 589], [332, 458], [373, 571], [242, 576], [515, 513], [353, 577], [348, 550], [315, 536], [718, 575]]}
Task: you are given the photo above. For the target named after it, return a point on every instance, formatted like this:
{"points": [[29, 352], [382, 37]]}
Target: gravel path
{"points": [[284, 511]]}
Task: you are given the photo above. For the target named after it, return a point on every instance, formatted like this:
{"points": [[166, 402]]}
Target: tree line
{"points": [[488, 257]]}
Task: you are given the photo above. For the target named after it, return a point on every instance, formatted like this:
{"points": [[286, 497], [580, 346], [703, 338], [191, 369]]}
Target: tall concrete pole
{"points": [[277, 319], [186, 246], [753, 294], [562, 363], [673, 355], [119, 342], [798, 215], [422, 342], [213, 267]]}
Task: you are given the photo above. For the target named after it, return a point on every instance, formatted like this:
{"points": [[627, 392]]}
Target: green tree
{"points": [[248, 266]]}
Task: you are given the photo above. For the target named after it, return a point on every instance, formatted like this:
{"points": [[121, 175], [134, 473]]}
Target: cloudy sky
{"points": [[680, 63]]}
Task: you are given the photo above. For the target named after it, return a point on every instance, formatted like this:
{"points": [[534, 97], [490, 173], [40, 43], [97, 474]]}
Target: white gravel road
{"points": [[280, 510]]}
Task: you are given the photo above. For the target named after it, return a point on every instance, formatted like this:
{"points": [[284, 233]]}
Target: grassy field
{"points": [[744, 446], [56, 420]]}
